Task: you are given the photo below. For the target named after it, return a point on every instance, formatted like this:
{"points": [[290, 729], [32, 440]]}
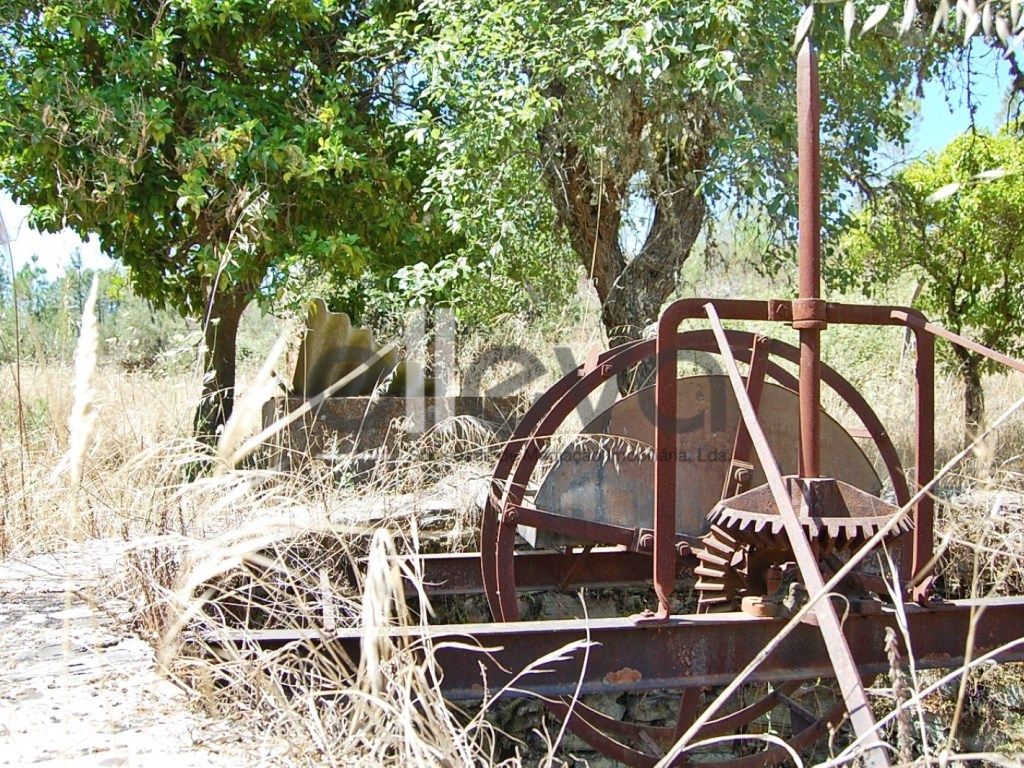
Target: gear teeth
{"points": [[721, 547], [739, 545], [723, 562], [703, 570], [719, 570], [717, 515], [705, 587]]}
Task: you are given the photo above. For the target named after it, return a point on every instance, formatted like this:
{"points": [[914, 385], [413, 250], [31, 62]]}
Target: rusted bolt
{"points": [[682, 549], [646, 541], [742, 475], [509, 516]]}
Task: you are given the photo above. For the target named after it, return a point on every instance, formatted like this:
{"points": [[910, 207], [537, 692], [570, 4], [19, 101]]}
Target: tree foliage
{"points": [[132, 333], [216, 146], [954, 224], [620, 124]]}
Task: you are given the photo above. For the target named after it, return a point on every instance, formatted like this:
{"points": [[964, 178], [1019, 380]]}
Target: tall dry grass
{"points": [[279, 547], [134, 486]]}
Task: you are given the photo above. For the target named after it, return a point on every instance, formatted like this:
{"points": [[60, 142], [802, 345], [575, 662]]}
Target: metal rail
{"points": [[682, 652]]}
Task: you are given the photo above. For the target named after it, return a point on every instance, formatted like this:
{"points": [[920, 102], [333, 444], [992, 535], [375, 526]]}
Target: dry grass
{"points": [[230, 523], [278, 549]]}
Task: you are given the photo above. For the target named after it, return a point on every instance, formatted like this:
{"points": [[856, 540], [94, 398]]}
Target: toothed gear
{"points": [[829, 534], [746, 538], [730, 569], [720, 571]]}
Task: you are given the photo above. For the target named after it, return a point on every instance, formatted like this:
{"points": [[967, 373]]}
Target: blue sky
{"points": [[944, 114], [984, 77]]}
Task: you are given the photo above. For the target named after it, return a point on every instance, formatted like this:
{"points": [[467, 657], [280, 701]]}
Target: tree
{"points": [[215, 147], [954, 222], [585, 118]]}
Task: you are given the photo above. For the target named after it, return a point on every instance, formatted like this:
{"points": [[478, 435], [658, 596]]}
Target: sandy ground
{"points": [[77, 688]]}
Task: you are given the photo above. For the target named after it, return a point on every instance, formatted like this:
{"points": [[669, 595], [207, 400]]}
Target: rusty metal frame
{"points": [[522, 453], [683, 652], [687, 652], [918, 549], [524, 449]]}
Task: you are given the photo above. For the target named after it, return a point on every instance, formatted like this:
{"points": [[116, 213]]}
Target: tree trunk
{"points": [[631, 291], [220, 341], [648, 279], [974, 393], [635, 300], [589, 203]]}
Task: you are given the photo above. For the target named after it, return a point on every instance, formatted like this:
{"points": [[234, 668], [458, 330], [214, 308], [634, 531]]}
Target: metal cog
{"points": [[746, 541], [729, 569]]}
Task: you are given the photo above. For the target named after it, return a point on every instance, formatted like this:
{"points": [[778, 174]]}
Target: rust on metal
{"points": [[832, 513], [605, 478], [924, 460], [459, 573], [741, 472], [809, 323], [582, 530], [689, 651], [625, 676], [845, 667]]}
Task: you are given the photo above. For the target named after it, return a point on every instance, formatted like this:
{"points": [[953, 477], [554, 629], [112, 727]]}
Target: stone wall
{"points": [[350, 426]]}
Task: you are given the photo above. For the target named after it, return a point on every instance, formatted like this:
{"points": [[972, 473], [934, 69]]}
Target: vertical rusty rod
{"points": [[924, 471], [809, 167], [741, 447], [665, 448]]}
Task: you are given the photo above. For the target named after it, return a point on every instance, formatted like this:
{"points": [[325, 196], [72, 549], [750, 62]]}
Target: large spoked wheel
{"points": [[633, 743]]}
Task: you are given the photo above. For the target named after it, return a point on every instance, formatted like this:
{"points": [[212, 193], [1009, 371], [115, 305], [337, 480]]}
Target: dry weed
{"points": [[250, 546]]}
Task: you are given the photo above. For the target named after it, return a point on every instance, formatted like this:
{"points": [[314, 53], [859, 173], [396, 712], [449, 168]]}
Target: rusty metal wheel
{"points": [[733, 738], [507, 507]]}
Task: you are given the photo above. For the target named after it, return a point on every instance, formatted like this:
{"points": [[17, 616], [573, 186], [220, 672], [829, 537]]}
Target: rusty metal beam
{"points": [[828, 620], [740, 468], [587, 531], [917, 321], [923, 541], [459, 573], [682, 652], [665, 425]]}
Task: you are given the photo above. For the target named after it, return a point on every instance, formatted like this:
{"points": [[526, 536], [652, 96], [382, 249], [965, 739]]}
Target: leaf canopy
{"points": [[635, 86], [210, 143], [964, 247]]}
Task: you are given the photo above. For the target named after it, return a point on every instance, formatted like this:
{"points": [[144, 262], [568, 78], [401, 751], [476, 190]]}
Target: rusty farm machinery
{"points": [[744, 487]]}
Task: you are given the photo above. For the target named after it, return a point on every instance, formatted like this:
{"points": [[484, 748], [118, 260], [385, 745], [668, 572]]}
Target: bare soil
{"points": [[79, 688]]}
